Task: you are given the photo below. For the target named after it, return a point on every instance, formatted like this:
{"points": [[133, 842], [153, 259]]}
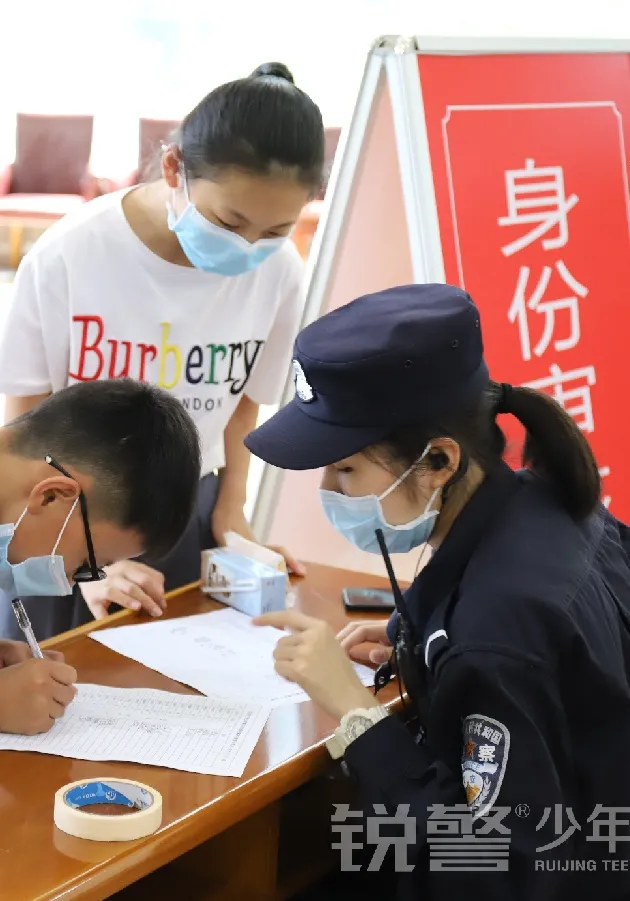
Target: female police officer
{"points": [[513, 641]]}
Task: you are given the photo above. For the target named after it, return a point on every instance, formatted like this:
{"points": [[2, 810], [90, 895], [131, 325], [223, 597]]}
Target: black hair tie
{"points": [[504, 404]]}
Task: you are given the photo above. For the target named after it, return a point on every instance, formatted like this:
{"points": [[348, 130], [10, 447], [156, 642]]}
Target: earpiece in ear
{"points": [[438, 460]]}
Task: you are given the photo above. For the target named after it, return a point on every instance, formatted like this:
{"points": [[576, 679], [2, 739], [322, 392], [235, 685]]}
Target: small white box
{"points": [[240, 582], [240, 545]]}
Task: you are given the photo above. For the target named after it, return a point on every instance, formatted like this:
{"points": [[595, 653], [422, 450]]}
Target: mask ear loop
{"points": [[63, 528], [407, 472], [171, 203], [432, 500], [20, 518], [185, 186]]}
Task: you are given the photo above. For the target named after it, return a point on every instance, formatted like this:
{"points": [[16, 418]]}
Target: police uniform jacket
{"points": [[522, 620]]}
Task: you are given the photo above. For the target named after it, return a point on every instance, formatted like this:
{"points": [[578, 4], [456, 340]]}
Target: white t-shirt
{"points": [[91, 301]]}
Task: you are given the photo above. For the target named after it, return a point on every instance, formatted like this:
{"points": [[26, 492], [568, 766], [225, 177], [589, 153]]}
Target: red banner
{"points": [[529, 163]]}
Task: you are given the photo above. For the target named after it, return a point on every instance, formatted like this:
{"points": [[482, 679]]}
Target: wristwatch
{"points": [[352, 725]]}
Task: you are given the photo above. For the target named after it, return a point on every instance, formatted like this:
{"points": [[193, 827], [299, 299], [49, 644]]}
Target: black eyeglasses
{"points": [[87, 572]]}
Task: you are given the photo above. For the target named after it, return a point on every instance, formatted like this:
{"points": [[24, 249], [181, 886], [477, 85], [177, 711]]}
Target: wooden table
{"points": [[261, 837]]}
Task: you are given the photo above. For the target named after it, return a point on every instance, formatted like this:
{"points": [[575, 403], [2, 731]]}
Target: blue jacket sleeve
{"points": [[496, 724], [392, 625], [624, 535]]}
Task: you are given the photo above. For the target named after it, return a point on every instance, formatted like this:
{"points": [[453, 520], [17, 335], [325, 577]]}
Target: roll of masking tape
{"points": [[108, 810]]}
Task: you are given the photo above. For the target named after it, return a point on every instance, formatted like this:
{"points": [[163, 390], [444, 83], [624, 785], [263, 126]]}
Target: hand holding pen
{"points": [[35, 687]]}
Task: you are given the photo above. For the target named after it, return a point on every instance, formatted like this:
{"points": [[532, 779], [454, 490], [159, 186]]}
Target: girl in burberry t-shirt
{"points": [[191, 282]]}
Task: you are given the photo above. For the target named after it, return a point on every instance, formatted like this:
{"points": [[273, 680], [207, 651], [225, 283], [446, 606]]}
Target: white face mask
{"points": [[35, 576], [358, 518]]}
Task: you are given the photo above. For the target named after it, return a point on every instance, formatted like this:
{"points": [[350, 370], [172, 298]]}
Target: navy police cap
{"points": [[408, 355]]}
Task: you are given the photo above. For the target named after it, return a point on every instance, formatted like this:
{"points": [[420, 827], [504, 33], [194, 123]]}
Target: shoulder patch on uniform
{"points": [[486, 745]]}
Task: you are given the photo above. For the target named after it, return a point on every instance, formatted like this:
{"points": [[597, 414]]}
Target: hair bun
{"points": [[273, 70]]}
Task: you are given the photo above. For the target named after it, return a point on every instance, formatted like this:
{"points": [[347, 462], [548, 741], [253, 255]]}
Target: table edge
{"points": [[105, 623]]}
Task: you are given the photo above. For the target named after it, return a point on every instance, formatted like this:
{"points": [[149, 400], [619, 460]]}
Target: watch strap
{"points": [[341, 738]]}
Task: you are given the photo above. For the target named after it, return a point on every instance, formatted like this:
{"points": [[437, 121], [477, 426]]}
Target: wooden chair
{"points": [[50, 175], [152, 133]]}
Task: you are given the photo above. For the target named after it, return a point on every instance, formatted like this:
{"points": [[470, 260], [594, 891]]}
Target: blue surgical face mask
{"points": [[358, 518], [215, 249], [36, 576]]}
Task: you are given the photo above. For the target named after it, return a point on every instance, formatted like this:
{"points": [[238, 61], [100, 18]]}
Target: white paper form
{"points": [[212, 736], [220, 653]]}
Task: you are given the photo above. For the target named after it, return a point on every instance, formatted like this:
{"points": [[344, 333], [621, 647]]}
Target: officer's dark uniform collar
{"points": [[430, 599], [444, 571]]}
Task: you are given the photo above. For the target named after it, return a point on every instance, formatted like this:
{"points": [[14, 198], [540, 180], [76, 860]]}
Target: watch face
{"points": [[357, 726]]}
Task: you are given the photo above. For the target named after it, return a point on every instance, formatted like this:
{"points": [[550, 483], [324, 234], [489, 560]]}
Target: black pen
{"points": [[25, 625]]}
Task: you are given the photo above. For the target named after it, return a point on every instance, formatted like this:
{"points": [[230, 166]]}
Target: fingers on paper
{"points": [[131, 595]]}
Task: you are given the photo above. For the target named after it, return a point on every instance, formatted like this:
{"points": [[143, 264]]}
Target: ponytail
{"points": [[555, 447]]}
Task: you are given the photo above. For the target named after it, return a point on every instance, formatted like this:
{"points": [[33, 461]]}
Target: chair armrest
{"points": [[6, 172]]}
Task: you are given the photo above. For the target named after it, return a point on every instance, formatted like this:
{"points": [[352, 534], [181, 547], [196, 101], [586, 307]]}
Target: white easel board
{"points": [[499, 166]]}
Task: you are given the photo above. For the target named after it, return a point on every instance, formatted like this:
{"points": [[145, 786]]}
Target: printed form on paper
{"points": [[208, 735], [220, 653]]}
